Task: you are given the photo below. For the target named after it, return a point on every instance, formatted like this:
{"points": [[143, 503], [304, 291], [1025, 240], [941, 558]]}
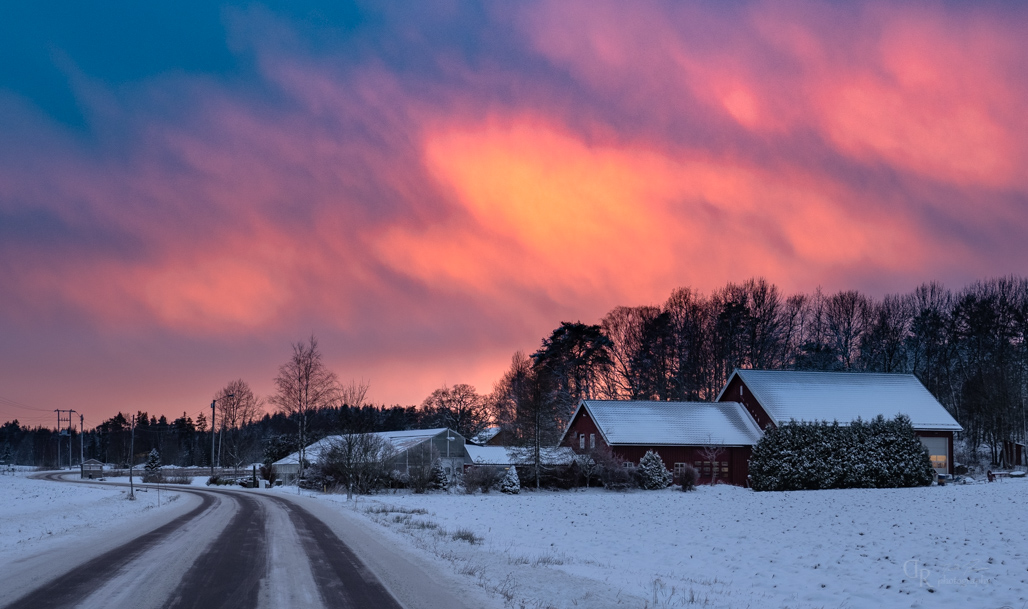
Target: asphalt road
{"points": [[234, 549]]}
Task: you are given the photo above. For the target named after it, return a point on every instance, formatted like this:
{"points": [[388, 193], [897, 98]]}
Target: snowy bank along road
{"points": [[223, 548]]}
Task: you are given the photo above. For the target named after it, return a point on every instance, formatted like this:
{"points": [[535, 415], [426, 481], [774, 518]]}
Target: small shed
{"points": [[92, 469]]}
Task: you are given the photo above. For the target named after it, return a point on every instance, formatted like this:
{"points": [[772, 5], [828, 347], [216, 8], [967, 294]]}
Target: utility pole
{"points": [[213, 402], [70, 429], [132, 450], [61, 419], [82, 439]]}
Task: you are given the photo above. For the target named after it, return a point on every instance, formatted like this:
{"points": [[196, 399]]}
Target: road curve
{"points": [[236, 549]]}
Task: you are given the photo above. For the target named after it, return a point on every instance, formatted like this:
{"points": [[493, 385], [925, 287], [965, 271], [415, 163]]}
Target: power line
{"points": [[17, 404]]}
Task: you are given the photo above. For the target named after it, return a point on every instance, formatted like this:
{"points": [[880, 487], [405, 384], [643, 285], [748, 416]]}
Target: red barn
{"points": [[715, 438], [774, 397]]}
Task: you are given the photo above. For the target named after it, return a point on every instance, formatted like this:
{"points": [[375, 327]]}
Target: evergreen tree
{"points": [[153, 467], [437, 477], [653, 474], [510, 484]]}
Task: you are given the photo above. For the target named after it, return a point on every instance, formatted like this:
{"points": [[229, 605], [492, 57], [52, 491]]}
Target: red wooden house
{"points": [[773, 397], [715, 438]]}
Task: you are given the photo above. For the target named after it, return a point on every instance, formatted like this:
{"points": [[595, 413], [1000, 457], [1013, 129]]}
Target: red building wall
{"points": [[737, 391], [737, 457]]}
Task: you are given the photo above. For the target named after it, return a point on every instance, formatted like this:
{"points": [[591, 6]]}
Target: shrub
{"points": [[510, 483], [481, 478], [876, 454], [688, 478], [652, 473], [179, 479]]}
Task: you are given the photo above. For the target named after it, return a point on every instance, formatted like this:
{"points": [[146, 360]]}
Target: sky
{"points": [[186, 190]]}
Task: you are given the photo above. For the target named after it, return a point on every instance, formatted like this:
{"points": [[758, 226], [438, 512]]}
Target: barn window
{"points": [[581, 441], [679, 468], [740, 390], [592, 440]]}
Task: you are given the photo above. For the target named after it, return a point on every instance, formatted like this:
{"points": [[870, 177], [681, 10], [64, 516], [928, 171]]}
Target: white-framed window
{"points": [[592, 440], [581, 441]]}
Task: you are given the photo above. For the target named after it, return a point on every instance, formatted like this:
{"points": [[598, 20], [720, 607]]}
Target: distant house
{"points": [[774, 397], [410, 448], [92, 469], [506, 456], [715, 438]]}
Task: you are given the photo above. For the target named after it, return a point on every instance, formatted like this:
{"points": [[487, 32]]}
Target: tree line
{"points": [[969, 348]]}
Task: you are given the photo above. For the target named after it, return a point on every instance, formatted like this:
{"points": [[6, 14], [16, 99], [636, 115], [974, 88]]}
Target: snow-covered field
{"points": [[36, 514], [953, 546]]}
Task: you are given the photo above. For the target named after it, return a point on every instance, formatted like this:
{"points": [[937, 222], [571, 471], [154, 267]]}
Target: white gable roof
{"points": [[845, 396], [399, 440], [509, 455], [672, 423]]}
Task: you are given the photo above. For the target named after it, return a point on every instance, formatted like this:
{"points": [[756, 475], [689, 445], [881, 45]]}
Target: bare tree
{"points": [[238, 408], [459, 408], [712, 453], [357, 461], [353, 393], [305, 385]]}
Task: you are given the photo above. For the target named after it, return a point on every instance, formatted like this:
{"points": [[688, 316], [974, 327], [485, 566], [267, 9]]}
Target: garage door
{"points": [[938, 451]]}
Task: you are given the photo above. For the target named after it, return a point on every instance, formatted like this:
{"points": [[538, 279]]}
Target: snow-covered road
{"points": [[206, 548]]}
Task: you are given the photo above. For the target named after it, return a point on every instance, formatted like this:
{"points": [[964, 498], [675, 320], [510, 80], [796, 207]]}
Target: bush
{"points": [[652, 473], [510, 483], [804, 456], [481, 478], [688, 478], [179, 479]]}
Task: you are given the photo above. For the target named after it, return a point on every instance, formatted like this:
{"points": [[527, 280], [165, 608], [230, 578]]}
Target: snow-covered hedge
{"points": [[875, 454], [653, 474]]}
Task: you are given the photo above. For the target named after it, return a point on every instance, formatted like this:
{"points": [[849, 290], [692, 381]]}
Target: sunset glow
{"points": [[430, 192]]}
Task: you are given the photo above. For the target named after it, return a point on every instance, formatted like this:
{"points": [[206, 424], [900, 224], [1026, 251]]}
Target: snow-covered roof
{"points": [[510, 455], [672, 423], [845, 396], [399, 440], [485, 435]]}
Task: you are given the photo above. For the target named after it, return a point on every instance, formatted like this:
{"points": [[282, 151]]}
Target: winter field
{"points": [[38, 514], [953, 546]]}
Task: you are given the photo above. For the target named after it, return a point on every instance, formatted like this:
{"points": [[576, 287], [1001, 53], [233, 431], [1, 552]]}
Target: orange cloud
{"points": [[543, 209], [937, 92]]}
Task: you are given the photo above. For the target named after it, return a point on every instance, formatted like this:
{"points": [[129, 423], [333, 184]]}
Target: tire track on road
{"points": [[343, 580], [228, 574]]}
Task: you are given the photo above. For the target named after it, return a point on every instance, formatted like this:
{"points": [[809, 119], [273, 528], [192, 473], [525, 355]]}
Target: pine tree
{"points": [[437, 477], [153, 467], [652, 472], [510, 483]]}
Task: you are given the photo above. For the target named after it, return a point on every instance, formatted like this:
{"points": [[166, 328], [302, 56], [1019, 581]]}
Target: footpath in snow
{"points": [[937, 547]]}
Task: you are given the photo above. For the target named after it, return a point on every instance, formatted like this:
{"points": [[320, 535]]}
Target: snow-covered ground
{"points": [[953, 546], [35, 514]]}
